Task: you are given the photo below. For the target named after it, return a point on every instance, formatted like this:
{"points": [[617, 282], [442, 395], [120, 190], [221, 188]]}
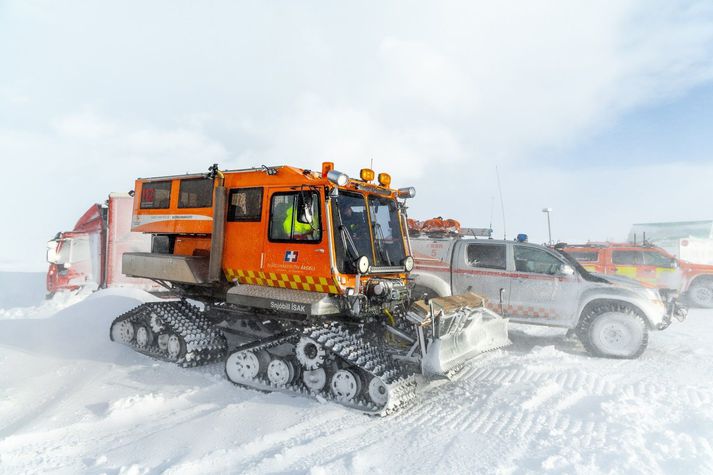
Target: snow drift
{"points": [[71, 401]]}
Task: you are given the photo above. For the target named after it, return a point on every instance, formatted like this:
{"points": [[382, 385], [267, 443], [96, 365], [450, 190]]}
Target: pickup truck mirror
{"points": [[566, 269]]}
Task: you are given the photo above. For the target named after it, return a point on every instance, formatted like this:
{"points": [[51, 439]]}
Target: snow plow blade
{"points": [[456, 329]]}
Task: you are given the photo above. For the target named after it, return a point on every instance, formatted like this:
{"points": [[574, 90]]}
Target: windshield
{"points": [[351, 237], [355, 225], [385, 223]]}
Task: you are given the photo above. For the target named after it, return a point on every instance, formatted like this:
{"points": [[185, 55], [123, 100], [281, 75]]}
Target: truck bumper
{"points": [[674, 309]]}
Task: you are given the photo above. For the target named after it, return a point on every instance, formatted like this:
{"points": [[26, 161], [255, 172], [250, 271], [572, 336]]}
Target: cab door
{"points": [[630, 263], [540, 290], [481, 267], [667, 273], [296, 254], [245, 230]]}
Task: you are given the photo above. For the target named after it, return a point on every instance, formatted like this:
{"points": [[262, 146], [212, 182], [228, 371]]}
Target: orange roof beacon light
{"points": [[366, 174], [295, 261], [384, 179]]}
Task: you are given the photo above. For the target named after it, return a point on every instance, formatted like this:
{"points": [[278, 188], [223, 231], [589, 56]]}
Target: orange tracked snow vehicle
{"points": [[304, 276]]}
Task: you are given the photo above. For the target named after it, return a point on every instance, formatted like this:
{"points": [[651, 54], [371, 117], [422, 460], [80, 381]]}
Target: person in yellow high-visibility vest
{"points": [[300, 230]]}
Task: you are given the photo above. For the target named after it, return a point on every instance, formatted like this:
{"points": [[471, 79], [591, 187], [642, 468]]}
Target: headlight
{"points": [[338, 178], [362, 264], [408, 263], [653, 294], [409, 192]]}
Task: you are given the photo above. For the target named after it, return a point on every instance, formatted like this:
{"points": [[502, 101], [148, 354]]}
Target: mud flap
{"points": [[461, 328]]}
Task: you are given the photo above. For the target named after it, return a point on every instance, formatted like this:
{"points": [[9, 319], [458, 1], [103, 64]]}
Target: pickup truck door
{"points": [[540, 291], [481, 267]]}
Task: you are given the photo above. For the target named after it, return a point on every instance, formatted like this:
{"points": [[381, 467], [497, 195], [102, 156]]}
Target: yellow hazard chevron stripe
{"points": [[285, 281]]}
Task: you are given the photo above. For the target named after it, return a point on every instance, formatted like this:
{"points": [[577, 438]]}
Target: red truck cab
{"points": [[89, 256], [650, 265]]}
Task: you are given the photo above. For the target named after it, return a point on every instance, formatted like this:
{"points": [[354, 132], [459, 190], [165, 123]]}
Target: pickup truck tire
{"points": [[700, 293], [613, 330]]}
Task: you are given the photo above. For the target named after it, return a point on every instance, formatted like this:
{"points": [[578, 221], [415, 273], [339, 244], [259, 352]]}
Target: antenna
{"points": [[492, 205], [502, 204], [371, 164]]}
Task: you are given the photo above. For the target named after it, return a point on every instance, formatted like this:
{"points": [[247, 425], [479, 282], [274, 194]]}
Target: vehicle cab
{"points": [[650, 265]]}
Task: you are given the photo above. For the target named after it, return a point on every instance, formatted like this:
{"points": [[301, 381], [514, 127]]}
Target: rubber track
{"points": [[354, 350], [204, 343]]}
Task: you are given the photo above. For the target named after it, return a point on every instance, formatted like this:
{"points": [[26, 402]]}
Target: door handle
{"points": [[319, 250], [501, 293]]}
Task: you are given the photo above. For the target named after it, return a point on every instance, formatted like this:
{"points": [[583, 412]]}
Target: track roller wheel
{"points": [[175, 347], [280, 372], [315, 379], [378, 393], [144, 336], [123, 332], [345, 384], [246, 365]]}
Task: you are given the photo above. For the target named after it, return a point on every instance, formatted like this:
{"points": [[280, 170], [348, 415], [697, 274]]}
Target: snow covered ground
{"points": [[20, 289], [73, 402]]}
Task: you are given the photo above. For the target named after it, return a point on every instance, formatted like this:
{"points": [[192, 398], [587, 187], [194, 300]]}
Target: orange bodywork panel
{"points": [[162, 206]]}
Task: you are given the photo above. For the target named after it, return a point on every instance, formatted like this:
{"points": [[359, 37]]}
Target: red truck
{"points": [[649, 264], [89, 256]]}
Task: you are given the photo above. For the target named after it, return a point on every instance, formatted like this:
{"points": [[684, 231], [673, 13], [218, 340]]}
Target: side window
{"points": [[653, 258], [491, 256], [155, 195], [245, 204], [631, 258], [585, 256], [285, 222], [538, 261], [196, 193]]}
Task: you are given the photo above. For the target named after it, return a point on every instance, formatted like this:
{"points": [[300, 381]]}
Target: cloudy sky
{"points": [[600, 110]]}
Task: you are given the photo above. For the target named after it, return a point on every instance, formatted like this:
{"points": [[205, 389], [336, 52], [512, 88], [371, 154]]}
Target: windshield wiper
{"points": [[348, 242], [346, 236], [383, 252]]}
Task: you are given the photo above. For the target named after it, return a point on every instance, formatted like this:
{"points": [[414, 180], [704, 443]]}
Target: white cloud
{"points": [[352, 138], [58, 175]]}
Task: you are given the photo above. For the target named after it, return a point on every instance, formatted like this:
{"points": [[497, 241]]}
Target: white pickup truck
{"points": [[529, 283]]}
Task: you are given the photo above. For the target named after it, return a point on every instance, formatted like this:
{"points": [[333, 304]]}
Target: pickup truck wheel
{"points": [[701, 294], [613, 331]]}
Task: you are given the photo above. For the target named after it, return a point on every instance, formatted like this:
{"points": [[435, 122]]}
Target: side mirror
{"points": [[304, 208], [566, 269], [53, 254], [674, 264]]}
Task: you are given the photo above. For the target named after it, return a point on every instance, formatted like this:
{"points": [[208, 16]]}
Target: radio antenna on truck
{"points": [[502, 203], [492, 206]]}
